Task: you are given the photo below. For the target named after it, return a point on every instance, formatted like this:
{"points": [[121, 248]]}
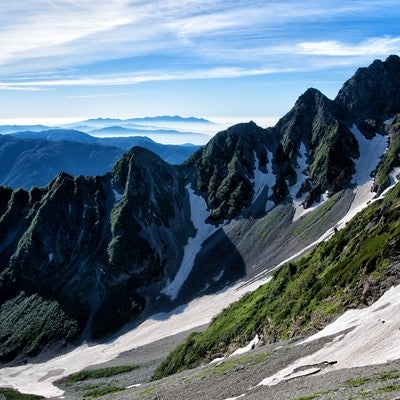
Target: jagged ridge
{"points": [[73, 244], [124, 234]]}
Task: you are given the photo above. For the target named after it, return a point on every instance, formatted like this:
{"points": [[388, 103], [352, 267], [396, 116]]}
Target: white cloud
{"points": [[57, 34], [47, 43], [98, 95], [136, 78], [32, 29], [370, 47], [313, 55], [25, 88]]}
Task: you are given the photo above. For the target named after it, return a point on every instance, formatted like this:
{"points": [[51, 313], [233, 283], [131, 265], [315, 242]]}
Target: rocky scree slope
{"points": [[83, 256], [353, 269]]}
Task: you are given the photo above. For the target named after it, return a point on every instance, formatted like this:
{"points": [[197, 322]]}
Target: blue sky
{"points": [[238, 58]]}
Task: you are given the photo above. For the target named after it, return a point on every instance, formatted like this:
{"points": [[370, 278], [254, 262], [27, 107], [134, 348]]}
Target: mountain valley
{"points": [[101, 264]]}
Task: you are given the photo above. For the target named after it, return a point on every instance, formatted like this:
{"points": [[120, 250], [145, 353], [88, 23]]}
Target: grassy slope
{"points": [[11, 394], [28, 323], [351, 269], [97, 373]]}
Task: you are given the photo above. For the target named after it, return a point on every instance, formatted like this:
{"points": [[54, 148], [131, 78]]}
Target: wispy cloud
{"points": [[136, 78], [23, 88], [373, 46], [38, 35], [175, 56], [98, 95]]}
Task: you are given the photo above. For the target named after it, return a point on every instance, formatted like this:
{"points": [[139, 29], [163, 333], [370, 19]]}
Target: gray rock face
{"points": [[373, 92], [315, 121]]}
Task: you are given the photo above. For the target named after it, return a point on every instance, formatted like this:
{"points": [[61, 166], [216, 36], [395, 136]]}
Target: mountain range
{"points": [[96, 123], [83, 256], [34, 158]]}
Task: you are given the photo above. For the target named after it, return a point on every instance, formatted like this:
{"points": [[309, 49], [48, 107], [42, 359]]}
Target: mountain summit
{"points": [[372, 93]]}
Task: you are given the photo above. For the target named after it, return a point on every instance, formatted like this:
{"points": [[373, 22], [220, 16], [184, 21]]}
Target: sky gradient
{"points": [[229, 58]]}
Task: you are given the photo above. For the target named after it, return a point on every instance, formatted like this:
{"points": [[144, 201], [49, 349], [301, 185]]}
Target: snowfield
{"points": [[360, 337], [117, 195], [198, 215], [39, 378], [300, 178], [263, 180], [371, 152]]}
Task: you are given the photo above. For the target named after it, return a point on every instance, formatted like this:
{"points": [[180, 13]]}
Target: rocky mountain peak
{"points": [[313, 96], [372, 93], [297, 124], [225, 167], [135, 160]]}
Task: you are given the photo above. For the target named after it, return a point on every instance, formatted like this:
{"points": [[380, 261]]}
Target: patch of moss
{"points": [[148, 390], [389, 389], [102, 391], [316, 216], [11, 394], [356, 382], [98, 373], [230, 364], [389, 375], [311, 396]]}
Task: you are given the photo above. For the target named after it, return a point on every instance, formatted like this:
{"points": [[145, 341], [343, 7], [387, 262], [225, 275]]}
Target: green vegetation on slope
{"points": [[28, 323], [225, 166], [98, 373], [98, 391], [11, 394], [390, 159], [347, 271]]}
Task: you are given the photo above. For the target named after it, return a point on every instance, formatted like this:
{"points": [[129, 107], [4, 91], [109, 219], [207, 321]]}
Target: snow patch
{"points": [[36, 379], [263, 180], [394, 176], [218, 359], [371, 152], [85, 208], [198, 215], [241, 350], [300, 178], [247, 348], [216, 278], [368, 336], [388, 121], [133, 386], [117, 195], [237, 397]]}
